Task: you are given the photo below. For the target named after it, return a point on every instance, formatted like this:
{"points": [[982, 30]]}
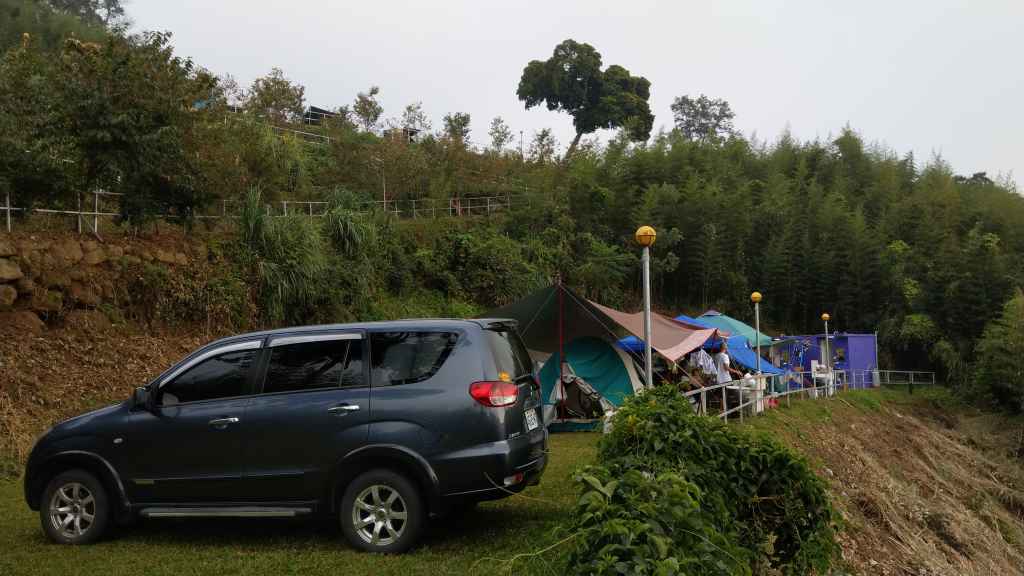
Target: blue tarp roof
{"points": [[739, 351]]}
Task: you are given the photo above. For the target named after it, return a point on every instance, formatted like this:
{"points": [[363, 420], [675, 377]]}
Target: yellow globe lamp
{"points": [[826, 317], [645, 236], [755, 297]]}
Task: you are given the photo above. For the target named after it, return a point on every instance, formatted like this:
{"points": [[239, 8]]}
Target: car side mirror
{"points": [[141, 399]]}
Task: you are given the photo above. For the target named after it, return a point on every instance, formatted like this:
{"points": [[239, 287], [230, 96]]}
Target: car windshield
{"points": [[510, 354]]}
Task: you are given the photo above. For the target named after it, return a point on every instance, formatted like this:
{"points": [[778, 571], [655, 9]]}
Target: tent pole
{"points": [[561, 343]]}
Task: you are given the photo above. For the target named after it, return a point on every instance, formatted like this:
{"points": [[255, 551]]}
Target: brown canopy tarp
{"points": [[672, 339], [538, 315]]}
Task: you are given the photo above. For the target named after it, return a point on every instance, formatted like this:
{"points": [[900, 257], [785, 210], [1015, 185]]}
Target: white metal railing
{"points": [[412, 208], [754, 394]]}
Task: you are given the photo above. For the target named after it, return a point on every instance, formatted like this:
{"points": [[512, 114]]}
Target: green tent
{"points": [[735, 327], [607, 369]]}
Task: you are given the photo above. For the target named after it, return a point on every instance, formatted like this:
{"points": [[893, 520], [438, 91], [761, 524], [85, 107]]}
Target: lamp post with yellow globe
{"points": [[828, 358], [756, 299], [645, 237]]}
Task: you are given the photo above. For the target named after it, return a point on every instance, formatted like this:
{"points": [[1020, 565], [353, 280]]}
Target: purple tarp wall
{"points": [[853, 353]]}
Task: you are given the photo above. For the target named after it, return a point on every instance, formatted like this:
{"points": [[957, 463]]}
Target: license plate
{"points": [[531, 420]]}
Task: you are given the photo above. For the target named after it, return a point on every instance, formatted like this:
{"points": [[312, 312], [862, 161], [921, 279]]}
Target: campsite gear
{"points": [[702, 361], [555, 322], [606, 370], [581, 400], [855, 354], [542, 321]]}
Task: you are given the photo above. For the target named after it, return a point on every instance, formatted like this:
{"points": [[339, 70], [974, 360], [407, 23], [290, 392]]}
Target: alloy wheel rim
{"points": [[379, 515], [72, 510]]}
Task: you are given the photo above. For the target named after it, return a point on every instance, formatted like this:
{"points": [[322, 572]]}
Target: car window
{"points": [[408, 357], [221, 376], [313, 365], [510, 354]]}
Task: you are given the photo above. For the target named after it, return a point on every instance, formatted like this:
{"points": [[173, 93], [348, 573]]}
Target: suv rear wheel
{"points": [[74, 508], [382, 511]]}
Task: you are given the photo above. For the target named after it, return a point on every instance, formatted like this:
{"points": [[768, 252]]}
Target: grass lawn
{"points": [[477, 543]]}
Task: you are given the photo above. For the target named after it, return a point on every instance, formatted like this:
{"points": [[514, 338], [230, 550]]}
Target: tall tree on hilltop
{"points": [[98, 12], [702, 118], [542, 147], [367, 109], [275, 97], [500, 133], [572, 81], [456, 126], [414, 118]]}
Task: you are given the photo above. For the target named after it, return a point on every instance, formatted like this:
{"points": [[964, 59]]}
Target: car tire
{"points": [[382, 511], [74, 508]]}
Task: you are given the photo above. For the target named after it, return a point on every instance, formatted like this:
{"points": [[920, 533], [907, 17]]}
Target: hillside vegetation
{"points": [[924, 484], [878, 239]]}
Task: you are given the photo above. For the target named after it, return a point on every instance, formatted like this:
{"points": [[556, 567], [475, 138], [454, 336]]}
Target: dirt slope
{"points": [[925, 486], [47, 375]]}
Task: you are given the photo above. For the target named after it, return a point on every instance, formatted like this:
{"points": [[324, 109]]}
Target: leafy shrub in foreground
{"points": [[640, 524], [756, 492]]}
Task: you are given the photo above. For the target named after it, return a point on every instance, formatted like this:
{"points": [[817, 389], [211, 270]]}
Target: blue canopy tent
{"points": [[740, 352], [735, 327]]}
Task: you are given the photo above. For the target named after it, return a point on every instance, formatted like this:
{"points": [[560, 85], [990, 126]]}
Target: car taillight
{"points": [[494, 394]]}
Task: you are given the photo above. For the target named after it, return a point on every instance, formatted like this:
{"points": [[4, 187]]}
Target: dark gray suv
{"points": [[382, 424]]}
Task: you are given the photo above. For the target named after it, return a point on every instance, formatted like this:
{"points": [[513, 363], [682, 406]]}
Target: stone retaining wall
{"points": [[52, 276]]}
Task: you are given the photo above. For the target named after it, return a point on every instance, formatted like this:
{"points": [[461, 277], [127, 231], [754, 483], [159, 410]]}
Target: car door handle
{"points": [[223, 422], [343, 409]]}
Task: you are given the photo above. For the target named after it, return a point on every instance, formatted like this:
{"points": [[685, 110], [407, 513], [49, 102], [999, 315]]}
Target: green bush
{"points": [[998, 374], [481, 265], [635, 523], [216, 296], [754, 491]]}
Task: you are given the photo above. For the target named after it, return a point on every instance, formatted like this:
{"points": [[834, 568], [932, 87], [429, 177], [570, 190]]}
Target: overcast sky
{"points": [[941, 76]]}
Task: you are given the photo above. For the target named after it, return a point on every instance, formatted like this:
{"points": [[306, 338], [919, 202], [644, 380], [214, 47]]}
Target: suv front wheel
{"points": [[382, 511], [74, 508]]}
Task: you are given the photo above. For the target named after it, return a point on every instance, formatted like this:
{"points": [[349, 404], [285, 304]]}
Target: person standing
{"points": [[723, 367]]}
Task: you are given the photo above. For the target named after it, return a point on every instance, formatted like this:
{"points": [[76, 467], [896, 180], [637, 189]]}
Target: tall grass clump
{"points": [[288, 259]]}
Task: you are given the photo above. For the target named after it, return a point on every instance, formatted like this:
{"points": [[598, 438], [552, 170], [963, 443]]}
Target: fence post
{"points": [[703, 401], [96, 212], [725, 402], [739, 388], [79, 215], [911, 386], [8, 211]]}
